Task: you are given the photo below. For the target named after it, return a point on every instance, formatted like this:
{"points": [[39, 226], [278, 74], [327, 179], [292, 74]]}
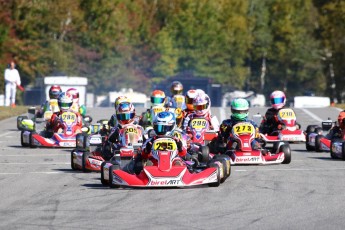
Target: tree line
{"points": [[261, 45]]}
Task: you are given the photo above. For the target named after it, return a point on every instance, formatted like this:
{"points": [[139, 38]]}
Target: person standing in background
{"points": [[12, 79]]}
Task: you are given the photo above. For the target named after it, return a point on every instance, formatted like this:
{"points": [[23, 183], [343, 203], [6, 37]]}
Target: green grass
{"points": [[7, 112]]}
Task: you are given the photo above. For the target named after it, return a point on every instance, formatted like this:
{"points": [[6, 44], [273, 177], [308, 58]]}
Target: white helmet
{"points": [[278, 99], [202, 104]]}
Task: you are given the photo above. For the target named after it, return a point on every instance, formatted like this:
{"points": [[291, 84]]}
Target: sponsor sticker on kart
{"points": [[247, 160], [67, 144], [164, 144], [199, 123]]}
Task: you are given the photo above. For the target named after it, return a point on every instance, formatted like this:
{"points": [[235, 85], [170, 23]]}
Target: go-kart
{"points": [[288, 129], [165, 169], [317, 138], [66, 138], [201, 132], [241, 152], [87, 161]]}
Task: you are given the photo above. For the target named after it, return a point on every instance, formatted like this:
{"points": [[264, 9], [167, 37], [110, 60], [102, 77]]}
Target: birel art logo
{"points": [[165, 182], [247, 159]]}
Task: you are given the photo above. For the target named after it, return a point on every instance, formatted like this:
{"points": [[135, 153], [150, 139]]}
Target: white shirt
{"points": [[12, 75]]}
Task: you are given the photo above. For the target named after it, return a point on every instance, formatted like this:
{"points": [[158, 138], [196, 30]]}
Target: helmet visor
{"points": [[162, 129], [189, 100], [176, 91], [278, 100], [239, 111], [157, 100], [54, 94], [200, 107], [125, 116], [65, 105]]}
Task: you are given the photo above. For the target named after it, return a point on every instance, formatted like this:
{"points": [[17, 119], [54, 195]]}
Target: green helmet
{"points": [[239, 109]]}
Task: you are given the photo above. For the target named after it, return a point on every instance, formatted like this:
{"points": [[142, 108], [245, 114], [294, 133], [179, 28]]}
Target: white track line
{"points": [[5, 134], [313, 169], [314, 116], [32, 173], [35, 163]]}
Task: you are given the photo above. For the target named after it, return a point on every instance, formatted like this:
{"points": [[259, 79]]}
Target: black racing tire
{"points": [[333, 156], [343, 151], [318, 143], [22, 140], [31, 144], [205, 154], [85, 156], [225, 160], [287, 153], [72, 163], [217, 183], [111, 169], [103, 181], [307, 146]]}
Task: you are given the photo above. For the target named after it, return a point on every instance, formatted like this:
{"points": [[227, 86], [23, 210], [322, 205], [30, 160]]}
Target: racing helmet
{"points": [[164, 123], [201, 104], [119, 100], [125, 113], [341, 119], [176, 87], [239, 109], [278, 99], [74, 94], [157, 98], [190, 95], [54, 91], [65, 102]]}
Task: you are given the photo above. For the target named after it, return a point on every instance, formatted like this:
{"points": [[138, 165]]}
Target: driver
{"points": [[338, 131], [270, 122], [54, 124], [239, 110], [163, 125]]}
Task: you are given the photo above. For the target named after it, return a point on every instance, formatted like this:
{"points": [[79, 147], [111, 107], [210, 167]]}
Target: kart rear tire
{"points": [[84, 137], [22, 140], [85, 156], [318, 143], [205, 154], [333, 156], [217, 183], [307, 146], [343, 151], [113, 167], [72, 163], [103, 181], [287, 153], [225, 160], [31, 143]]}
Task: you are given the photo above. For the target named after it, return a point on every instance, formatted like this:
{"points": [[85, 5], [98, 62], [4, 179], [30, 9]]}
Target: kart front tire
{"points": [[333, 156], [85, 157], [111, 169], [22, 140], [307, 146], [217, 183], [225, 160], [287, 153], [318, 143], [205, 154], [72, 162], [103, 181], [343, 151]]}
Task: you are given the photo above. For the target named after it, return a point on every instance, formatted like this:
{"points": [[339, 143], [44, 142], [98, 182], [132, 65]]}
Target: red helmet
{"points": [[73, 93], [157, 97], [125, 113], [54, 91]]}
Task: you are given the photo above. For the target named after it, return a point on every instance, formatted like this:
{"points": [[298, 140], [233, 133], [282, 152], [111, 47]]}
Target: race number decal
{"points": [[69, 117], [157, 109], [199, 123], [243, 128], [179, 99], [178, 112], [129, 130], [164, 144], [177, 135], [287, 114]]}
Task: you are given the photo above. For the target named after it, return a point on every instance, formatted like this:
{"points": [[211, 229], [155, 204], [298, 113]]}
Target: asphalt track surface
{"points": [[39, 190]]}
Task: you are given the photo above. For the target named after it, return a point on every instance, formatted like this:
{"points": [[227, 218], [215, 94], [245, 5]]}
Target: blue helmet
{"points": [[164, 122]]}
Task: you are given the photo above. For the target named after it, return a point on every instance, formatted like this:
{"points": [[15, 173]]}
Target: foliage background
{"points": [[134, 43]]}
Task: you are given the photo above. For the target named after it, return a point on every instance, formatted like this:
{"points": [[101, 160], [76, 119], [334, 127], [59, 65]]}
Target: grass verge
{"points": [[7, 112]]}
